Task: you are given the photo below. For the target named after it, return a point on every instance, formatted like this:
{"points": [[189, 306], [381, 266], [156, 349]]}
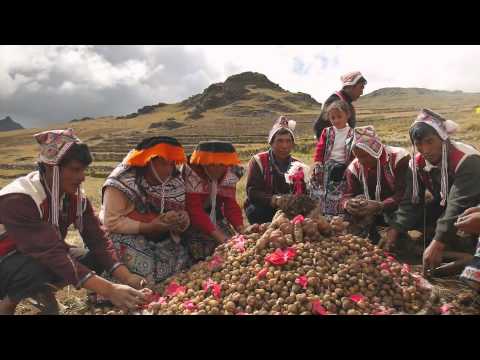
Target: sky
{"points": [[44, 84]]}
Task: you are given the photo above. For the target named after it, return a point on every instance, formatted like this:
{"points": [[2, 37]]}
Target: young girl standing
{"points": [[332, 156]]}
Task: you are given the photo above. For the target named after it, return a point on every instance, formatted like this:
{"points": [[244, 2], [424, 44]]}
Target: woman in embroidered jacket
{"points": [[143, 209], [211, 176]]}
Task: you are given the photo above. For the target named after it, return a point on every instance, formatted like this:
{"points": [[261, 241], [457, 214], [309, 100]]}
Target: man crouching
{"points": [[35, 213]]}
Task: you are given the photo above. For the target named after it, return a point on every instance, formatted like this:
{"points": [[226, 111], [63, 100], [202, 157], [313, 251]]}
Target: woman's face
{"points": [[215, 172], [163, 167]]}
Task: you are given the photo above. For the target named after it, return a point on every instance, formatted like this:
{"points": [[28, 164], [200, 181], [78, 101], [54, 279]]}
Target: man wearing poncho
{"points": [[211, 176], [375, 180], [450, 170], [143, 209], [35, 213], [353, 85], [268, 173]]}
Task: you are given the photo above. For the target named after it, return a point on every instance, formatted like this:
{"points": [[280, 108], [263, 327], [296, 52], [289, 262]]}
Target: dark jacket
{"points": [[322, 122]]}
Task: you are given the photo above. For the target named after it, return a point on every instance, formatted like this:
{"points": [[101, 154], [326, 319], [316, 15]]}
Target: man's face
{"points": [[71, 176], [357, 90], [431, 148], [163, 167], [282, 145], [364, 158]]}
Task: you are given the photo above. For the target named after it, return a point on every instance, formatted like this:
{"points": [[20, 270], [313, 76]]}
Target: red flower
{"points": [[445, 309], [302, 281], [239, 243], [298, 219], [356, 298], [318, 309], [174, 289], [389, 256], [261, 274], [190, 305], [216, 288], [215, 263], [153, 297], [405, 269], [281, 257], [385, 266]]}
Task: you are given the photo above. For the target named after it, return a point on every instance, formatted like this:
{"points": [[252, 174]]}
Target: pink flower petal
{"points": [[302, 281], [318, 309], [215, 263], [174, 289], [281, 257], [261, 274], [298, 219], [357, 297], [385, 266], [216, 290], [405, 269], [189, 305], [445, 309], [388, 255], [239, 242]]}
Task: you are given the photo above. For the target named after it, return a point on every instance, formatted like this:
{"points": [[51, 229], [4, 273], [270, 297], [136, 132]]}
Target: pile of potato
{"points": [[294, 266]]}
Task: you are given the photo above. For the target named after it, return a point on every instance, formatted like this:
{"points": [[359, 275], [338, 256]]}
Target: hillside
{"points": [[246, 104], [7, 124], [241, 110]]}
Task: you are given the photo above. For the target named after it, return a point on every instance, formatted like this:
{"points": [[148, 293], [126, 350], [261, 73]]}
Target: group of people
{"points": [[162, 210]]}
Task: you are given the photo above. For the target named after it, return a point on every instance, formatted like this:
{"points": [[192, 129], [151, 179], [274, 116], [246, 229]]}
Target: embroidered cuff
{"points": [[82, 281], [115, 267]]}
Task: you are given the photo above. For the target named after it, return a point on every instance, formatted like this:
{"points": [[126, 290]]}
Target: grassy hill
{"points": [[241, 110]]}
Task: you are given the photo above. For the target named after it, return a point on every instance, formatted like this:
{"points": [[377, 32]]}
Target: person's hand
{"points": [[353, 207], [432, 257], [240, 229], [136, 281], [470, 211], [388, 244], [183, 221], [219, 236], [469, 222], [126, 297], [275, 200], [373, 207], [171, 218]]}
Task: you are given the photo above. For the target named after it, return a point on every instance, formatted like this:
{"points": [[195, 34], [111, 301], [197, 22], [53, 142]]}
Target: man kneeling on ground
{"points": [[35, 213]]}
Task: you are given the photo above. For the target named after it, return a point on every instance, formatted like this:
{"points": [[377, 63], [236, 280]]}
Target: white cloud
{"points": [[104, 80]]}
